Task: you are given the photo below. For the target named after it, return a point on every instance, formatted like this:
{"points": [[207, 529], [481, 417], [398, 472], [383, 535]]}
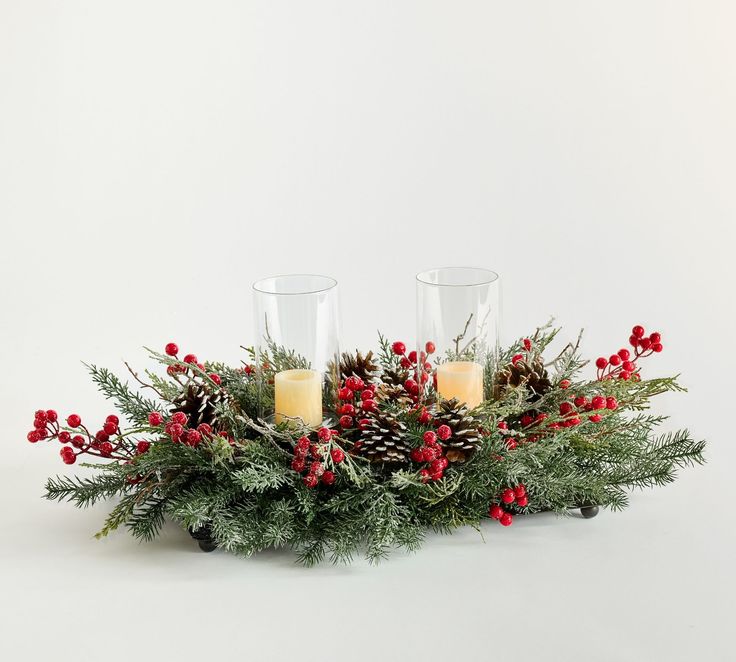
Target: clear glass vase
{"points": [[458, 320], [297, 346]]}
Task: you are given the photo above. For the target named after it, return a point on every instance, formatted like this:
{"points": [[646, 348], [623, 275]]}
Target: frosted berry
{"points": [[444, 432], [337, 455], [429, 437], [369, 405], [302, 443], [193, 437], [316, 468], [73, 421], [367, 394], [601, 362], [511, 444], [328, 477], [565, 383], [348, 410], [526, 420], [345, 393], [425, 417], [155, 419], [354, 383], [502, 425], [508, 496], [179, 417], [310, 480], [424, 475], [398, 348], [176, 430], [324, 434], [638, 331], [495, 511], [67, 455], [346, 421], [611, 403], [142, 447], [417, 455], [363, 422], [506, 519], [298, 465], [110, 428], [430, 347]]}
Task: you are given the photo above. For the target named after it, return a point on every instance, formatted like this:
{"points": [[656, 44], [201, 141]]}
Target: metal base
{"points": [[589, 512]]}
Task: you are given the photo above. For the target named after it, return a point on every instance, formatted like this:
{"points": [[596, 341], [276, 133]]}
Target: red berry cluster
{"points": [[177, 430], [310, 457], [357, 400], [431, 454], [509, 495], [417, 363], [622, 365], [172, 349], [107, 442]]}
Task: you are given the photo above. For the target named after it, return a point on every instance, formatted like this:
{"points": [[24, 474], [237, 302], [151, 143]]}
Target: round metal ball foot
{"points": [[587, 511], [207, 545]]}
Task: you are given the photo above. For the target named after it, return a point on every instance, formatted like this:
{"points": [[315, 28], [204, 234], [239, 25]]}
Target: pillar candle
{"points": [[462, 380], [298, 395]]}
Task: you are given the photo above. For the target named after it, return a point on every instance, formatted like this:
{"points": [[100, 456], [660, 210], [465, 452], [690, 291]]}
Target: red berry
{"points": [[112, 419], [425, 417], [367, 394], [580, 401], [298, 465], [348, 410], [430, 437], [105, 448], [502, 425], [522, 501], [411, 386], [638, 331], [427, 454], [64, 437], [78, 441], [444, 432], [369, 405], [508, 496], [41, 415], [315, 451], [657, 347], [316, 468], [216, 378], [179, 417], [625, 375], [345, 393], [413, 356], [624, 354], [506, 519], [337, 455], [191, 358], [511, 444], [526, 420], [417, 455], [614, 360], [527, 344], [596, 418], [73, 421], [110, 428], [629, 366], [655, 337], [142, 447], [430, 347], [520, 490], [39, 423], [155, 419], [633, 341], [565, 408], [303, 442], [51, 415], [405, 363], [495, 511], [598, 402], [33, 436], [565, 383], [346, 421], [176, 430], [516, 358], [324, 434], [645, 343], [436, 476], [102, 436], [398, 348], [363, 422], [172, 349], [310, 480], [42, 434], [440, 464], [67, 455], [611, 403], [354, 383], [424, 475], [601, 363], [193, 438], [328, 477]]}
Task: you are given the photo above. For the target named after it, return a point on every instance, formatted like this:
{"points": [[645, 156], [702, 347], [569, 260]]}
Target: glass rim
{"points": [[329, 284], [490, 277]]}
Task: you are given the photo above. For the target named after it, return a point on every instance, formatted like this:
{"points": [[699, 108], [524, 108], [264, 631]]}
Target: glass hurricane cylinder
{"points": [[297, 345], [458, 319]]}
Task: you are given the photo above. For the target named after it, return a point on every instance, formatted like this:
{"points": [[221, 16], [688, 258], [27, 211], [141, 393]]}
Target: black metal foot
{"points": [[589, 511], [203, 536], [207, 545]]}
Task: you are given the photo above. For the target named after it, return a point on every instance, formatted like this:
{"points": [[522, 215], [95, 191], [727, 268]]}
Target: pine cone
{"points": [[533, 375], [359, 366], [395, 377], [394, 395], [382, 439], [200, 402], [465, 438]]}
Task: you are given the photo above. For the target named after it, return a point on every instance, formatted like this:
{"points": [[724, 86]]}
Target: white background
{"points": [[157, 157]]}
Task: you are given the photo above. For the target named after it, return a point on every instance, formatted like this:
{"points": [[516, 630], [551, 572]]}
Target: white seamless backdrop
{"points": [[156, 157]]}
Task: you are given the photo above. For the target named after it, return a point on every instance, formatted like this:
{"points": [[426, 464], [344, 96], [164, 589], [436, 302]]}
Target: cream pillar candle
{"points": [[462, 380], [299, 395]]}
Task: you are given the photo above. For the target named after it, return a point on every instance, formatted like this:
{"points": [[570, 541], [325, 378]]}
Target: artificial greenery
{"points": [[237, 480]]}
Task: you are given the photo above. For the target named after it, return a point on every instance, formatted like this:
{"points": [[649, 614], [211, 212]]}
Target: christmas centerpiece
{"points": [[332, 454]]}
